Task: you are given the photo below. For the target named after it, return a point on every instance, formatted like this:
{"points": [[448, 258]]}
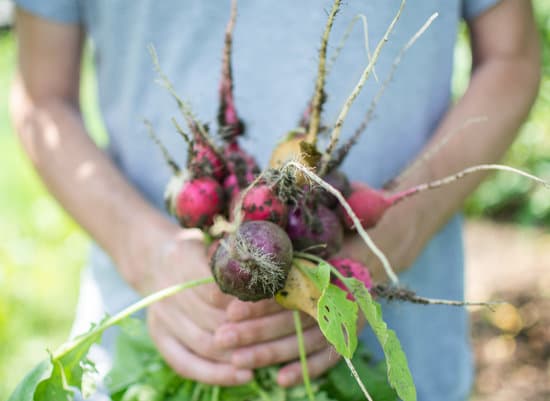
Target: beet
{"points": [[308, 227], [206, 162], [339, 181], [253, 263]]}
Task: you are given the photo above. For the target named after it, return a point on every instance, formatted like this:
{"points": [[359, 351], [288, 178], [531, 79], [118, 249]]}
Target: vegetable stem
{"points": [[360, 230], [143, 303], [303, 356], [335, 135]]}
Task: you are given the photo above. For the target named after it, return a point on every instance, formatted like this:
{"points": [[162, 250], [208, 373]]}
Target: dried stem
{"points": [[335, 135], [360, 230], [346, 36], [185, 109], [424, 158], [402, 294], [186, 137], [167, 157], [398, 197], [317, 104], [343, 151]]}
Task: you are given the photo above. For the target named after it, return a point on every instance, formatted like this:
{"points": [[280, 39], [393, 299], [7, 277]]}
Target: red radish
{"points": [[238, 160], [253, 263], [261, 203], [229, 122], [367, 203], [317, 230], [351, 268], [198, 201], [205, 161]]}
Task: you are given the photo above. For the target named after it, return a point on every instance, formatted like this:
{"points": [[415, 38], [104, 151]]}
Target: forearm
{"points": [[502, 89], [84, 180]]}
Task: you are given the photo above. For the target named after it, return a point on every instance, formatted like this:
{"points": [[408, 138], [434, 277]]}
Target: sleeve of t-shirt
{"points": [[64, 11], [473, 8]]}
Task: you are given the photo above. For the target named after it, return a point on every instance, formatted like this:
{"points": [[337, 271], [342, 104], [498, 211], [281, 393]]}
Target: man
{"points": [[116, 196]]}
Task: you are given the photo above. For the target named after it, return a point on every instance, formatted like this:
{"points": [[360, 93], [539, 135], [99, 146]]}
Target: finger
{"points": [[188, 333], [317, 364], [279, 351], [260, 330], [204, 315], [212, 295], [239, 310], [189, 365]]}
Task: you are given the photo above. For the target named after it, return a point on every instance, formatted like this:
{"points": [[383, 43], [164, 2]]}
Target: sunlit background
{"points": [[42, 251]]}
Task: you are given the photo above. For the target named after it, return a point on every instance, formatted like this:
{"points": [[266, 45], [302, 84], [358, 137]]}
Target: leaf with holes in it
{"points": [[337, 317], [399, 375]]}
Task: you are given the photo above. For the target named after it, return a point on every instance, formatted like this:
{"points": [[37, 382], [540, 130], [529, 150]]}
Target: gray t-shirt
{"points": [[275, 59]]}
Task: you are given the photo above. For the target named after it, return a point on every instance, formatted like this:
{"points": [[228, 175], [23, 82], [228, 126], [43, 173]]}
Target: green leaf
{"points": [[337, 317], [319, 276], [399, 375], [55, 388], [27, 387]]}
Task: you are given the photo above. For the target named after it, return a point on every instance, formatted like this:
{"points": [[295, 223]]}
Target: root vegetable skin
{"points": [[368, 204], [338, 180], [198, 201], [253, 263], [351, 268], [308, 228], [205, 162], [261, 203], [299, 292]]}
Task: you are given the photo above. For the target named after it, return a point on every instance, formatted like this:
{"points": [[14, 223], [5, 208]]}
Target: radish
{"points": [[261, 203], [253, 263], [205, 161], [230, 125], [339, 181], [367, 203], [351, 268], [317, 230], [198, 201]]}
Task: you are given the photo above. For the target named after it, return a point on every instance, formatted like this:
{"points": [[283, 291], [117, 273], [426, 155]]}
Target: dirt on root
{"points": [[511, 342]]}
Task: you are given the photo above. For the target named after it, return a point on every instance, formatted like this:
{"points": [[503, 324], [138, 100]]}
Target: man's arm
{"points": [[504, 84], [150, 251]]}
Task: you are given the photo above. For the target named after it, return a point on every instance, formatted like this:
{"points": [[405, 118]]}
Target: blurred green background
{"points": [[42, 251]]}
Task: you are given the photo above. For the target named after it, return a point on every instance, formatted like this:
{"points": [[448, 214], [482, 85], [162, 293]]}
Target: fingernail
{"points": [[229, 339], [243, 376], [287, 379], [243, 359]]}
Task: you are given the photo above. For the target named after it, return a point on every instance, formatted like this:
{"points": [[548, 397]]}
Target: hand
{"points": [[263, 334], [182, 326]]}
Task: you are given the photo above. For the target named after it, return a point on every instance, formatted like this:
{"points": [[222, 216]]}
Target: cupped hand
{"points": [[263, 334], [182, 326]]}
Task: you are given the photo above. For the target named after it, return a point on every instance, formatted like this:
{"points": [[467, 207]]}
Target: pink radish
{"points": [[253, 263], [261, 203], [198, 201], [351, 268], [205, 161]]}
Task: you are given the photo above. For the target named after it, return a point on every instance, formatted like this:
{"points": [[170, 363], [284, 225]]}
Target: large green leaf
{"points": [[399, 375], [337, 317]]}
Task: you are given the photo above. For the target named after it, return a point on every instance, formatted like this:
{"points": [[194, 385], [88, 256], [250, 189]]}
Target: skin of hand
{"points": [[503, 86], [155, 252]]}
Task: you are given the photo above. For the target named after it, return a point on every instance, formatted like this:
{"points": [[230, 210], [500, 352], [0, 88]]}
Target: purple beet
{"points": [[253, 263], [339, 181], [317, 230]]}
